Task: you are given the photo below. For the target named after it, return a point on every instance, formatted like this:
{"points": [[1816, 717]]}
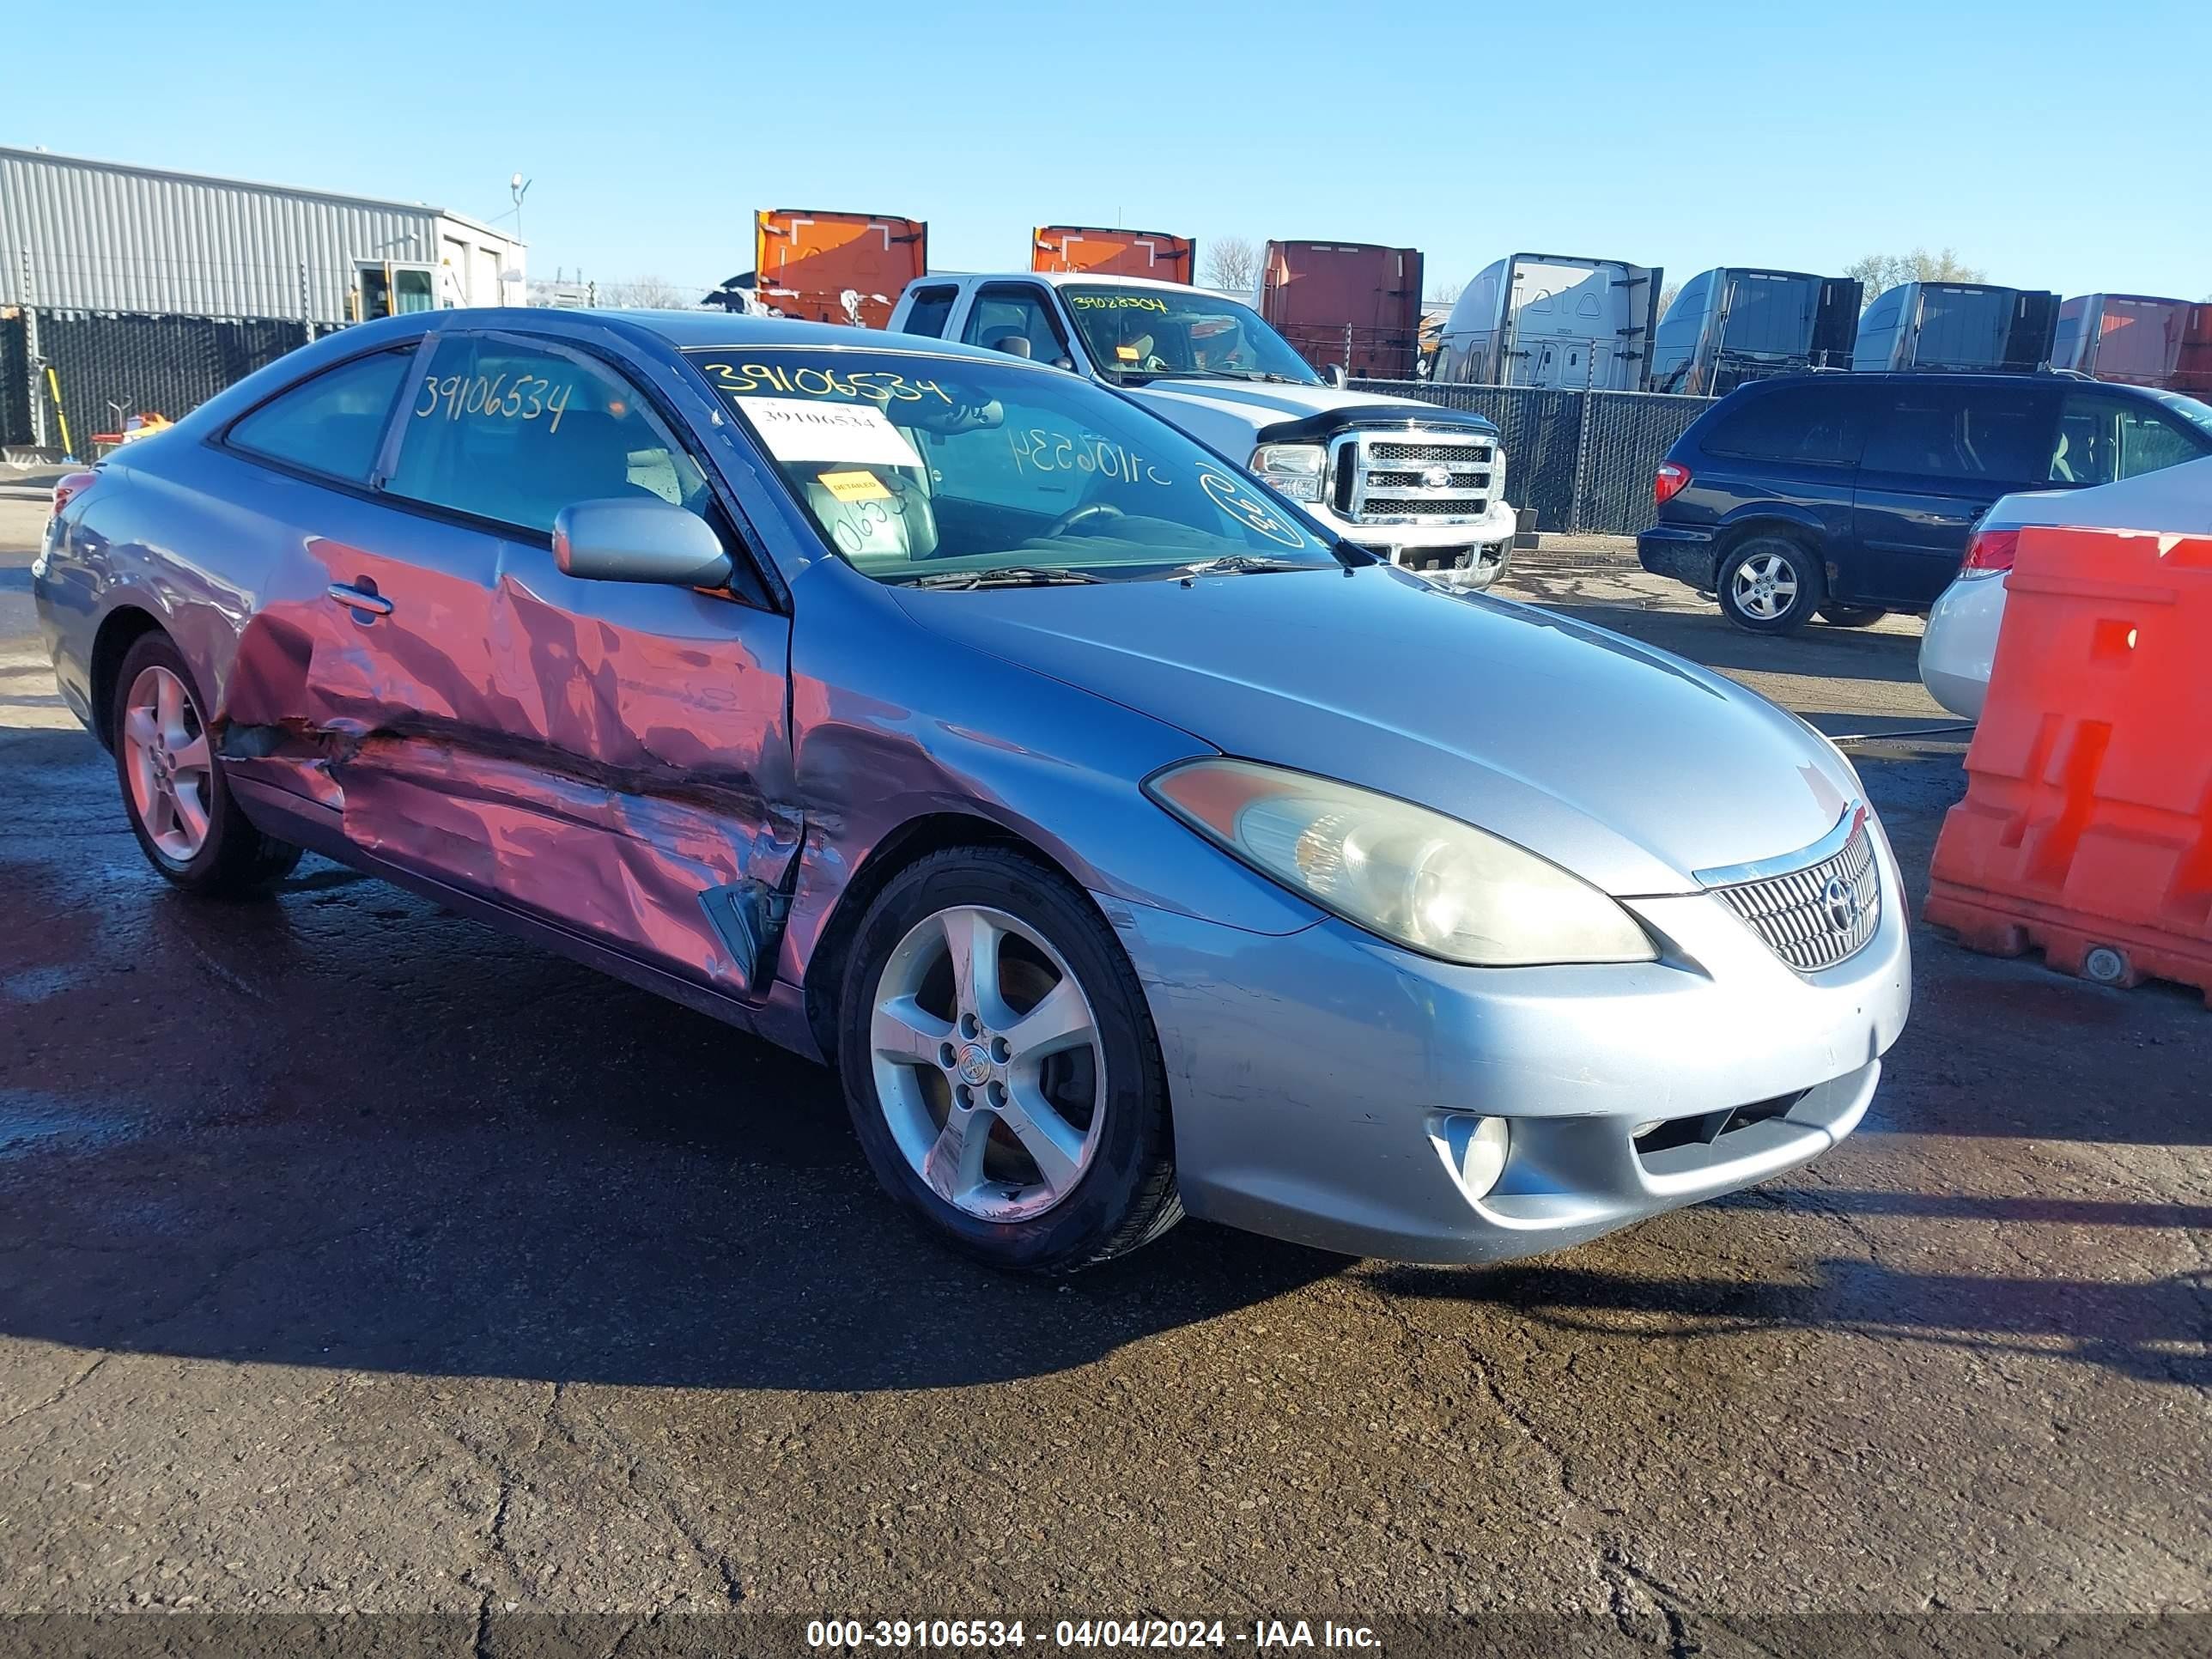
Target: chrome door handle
{"points": [[362, 598]]}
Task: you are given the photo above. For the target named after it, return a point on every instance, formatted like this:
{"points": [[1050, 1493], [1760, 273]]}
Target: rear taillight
{"points": [[1668, 482], [70, 486], [1989, 553]]}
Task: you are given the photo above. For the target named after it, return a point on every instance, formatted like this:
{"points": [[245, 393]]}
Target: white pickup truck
{"points": [[1416, 484]]}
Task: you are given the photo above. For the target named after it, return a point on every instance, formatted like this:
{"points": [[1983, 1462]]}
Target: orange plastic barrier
{"points": [[2087, 828]]}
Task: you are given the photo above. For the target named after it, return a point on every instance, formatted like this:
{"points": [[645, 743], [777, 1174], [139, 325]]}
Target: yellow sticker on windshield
{"points": [[855, 486], [1126, 354]]}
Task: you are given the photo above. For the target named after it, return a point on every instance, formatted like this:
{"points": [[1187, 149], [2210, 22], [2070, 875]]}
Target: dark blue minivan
{"points": [[1845, 495]]}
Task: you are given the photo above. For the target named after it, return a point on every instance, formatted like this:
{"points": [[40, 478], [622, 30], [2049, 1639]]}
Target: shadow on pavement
{"points": [[2133, 1329], [1709, 639], [341, 1128]]}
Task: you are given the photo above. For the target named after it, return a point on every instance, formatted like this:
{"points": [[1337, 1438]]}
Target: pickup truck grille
{"points": [[1422, 477]]}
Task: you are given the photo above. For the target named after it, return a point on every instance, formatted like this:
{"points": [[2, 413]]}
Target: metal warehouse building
{"points": [[84, 235]]}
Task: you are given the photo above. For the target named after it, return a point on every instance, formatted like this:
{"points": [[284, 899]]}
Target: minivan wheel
{"points": [[1770, 585], [1000, 1065], [1851, 616], [175, 793]]}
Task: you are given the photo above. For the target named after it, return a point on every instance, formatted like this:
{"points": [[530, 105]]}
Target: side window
{"points": [[2102, 438], [1822, 422], [1949, 432], [333, 424], [2149, 441], [1015, 316], [932, 309], [515, 433]]}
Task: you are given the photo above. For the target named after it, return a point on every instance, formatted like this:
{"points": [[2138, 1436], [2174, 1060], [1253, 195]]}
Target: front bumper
{"points": [[1314, 1077], [1684, 554], [1466, 553]]}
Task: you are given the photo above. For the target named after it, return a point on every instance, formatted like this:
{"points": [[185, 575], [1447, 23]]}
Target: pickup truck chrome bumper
{"points": [[1464, 552]]}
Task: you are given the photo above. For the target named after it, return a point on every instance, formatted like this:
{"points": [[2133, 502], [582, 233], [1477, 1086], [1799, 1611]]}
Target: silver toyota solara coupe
{"points": [[1129, 848]]}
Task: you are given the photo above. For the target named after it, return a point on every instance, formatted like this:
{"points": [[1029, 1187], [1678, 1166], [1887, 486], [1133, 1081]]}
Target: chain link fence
{"points": [[1582, 460], [113, 365], [14, 381]]}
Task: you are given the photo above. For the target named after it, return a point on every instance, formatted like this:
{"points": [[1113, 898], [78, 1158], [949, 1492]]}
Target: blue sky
{"points": [[2052, 146]]}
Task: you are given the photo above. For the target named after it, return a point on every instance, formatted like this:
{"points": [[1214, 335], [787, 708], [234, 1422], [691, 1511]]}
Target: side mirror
{"points": [[630, 540], [1337, 377]]}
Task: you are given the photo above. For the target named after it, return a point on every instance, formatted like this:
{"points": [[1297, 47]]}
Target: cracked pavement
{"points": [[354, 1257]]}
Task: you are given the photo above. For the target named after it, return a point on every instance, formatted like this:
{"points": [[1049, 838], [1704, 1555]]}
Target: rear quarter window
{"points": [[1822, 424], [332, 425]]}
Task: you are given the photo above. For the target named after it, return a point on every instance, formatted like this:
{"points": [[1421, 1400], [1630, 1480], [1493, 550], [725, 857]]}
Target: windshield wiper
{"points": [[1243, 564], [1010, 575], [1267, 375]]}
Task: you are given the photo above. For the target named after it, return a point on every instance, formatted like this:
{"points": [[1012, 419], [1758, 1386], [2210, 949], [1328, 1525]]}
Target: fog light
{"points": [[1476, 1148]]}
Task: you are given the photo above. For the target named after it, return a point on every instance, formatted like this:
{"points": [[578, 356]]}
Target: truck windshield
{"points": [[1771, 314], [952, 471], [1138, 334]]}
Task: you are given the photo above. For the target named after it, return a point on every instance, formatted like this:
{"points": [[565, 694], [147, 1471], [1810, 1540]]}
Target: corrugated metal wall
{"points": [[108, 238]]}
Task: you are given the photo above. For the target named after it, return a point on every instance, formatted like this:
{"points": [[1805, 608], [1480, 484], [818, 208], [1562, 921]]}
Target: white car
{"points": [[1415, 483], [1961, 641]]}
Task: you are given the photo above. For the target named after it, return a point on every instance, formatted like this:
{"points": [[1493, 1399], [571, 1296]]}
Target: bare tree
{"points": [[647, 293], [1880, 271], [1443, 294], [1232, 263], [1666, 298]]}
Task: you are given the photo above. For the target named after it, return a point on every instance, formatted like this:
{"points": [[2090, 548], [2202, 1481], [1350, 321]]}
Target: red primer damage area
{"points": [[598, 753]]}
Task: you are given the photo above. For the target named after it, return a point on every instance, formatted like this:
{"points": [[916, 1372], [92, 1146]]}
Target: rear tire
{"points": [[1851, 616], [175, 793], [1019, 1106], [1770, 585]]}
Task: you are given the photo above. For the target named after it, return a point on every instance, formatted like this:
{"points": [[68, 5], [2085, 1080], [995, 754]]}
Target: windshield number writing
{"points": [[522, 398], [1039, 451], [869, 385], [1117, 302]]}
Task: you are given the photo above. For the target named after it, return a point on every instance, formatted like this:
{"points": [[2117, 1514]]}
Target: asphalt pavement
{"points": [[355, 1257]]}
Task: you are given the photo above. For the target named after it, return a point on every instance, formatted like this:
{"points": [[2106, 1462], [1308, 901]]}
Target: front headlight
{"points": [[1297, 470], [1414, 875]]}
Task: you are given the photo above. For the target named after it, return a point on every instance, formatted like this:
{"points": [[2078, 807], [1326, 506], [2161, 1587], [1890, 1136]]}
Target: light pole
{"points": [[518, 186]]}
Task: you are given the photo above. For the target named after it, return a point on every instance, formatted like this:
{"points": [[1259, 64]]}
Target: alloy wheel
{"points": [[1764, 586], [167, 763], [988, 1063]]}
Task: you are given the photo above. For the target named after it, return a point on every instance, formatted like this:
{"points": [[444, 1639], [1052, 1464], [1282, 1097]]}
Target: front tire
{"points": [[175, 793], [1000, 1065], [1771, 585]]}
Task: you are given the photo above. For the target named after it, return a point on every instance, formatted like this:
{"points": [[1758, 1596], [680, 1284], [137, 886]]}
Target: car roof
{"points": [[1062, 278], [1845, 377], [685, 331], [2174, 499]]}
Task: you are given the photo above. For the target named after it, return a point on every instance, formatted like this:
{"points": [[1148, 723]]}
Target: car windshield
{"points": [[954, 472], [1138, 334]]}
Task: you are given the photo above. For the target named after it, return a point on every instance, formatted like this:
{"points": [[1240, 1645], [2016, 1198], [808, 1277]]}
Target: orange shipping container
{"points": [[1112, 253], [808, 261]]}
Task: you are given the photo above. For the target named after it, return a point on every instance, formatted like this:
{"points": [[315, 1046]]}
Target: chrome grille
{"points": [[1453, 452], [1818, 915], [1379, 477]]}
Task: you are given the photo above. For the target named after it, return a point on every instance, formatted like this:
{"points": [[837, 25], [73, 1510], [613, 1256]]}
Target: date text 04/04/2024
{"points": [[1090, 1634]]}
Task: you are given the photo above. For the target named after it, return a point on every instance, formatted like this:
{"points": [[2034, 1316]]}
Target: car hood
{"points": [[1229, 414], [1626, 765]]}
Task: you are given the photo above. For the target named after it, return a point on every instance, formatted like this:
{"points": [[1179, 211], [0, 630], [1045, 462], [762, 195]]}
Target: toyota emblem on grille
{"points": [[1840, 904], [1437, 477]]}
